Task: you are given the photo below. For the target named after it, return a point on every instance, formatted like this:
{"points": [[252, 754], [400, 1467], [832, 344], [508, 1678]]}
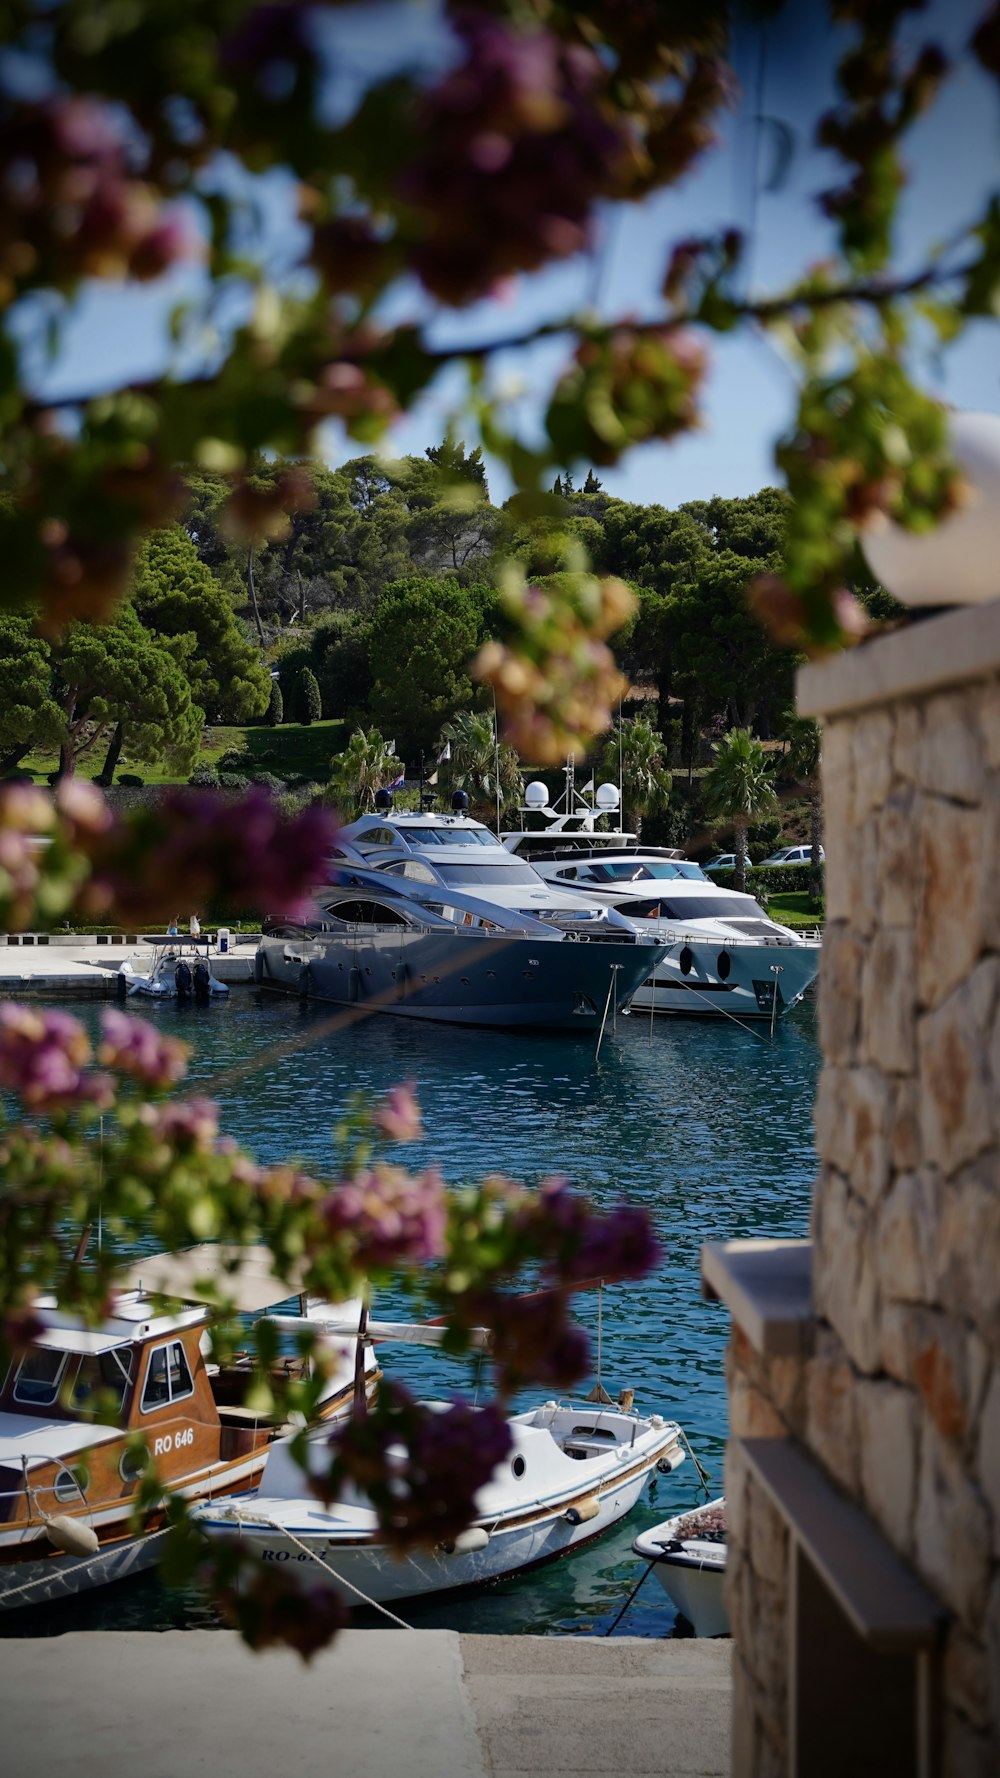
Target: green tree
{"points": [[30, 717], [175, 595], [421, 644], [480, 766], [635, 745], [119, 684], [366, 765], [307, 703], [276, 706], [738, 789], [805, 755]]}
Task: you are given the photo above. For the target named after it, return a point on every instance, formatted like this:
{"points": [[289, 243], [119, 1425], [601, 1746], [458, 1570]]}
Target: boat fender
{"points": [[673, 1460], [467, 1542], [586, 1509], [70, 1535], [258, 967]]}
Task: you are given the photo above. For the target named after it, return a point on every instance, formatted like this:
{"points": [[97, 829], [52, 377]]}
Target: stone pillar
{"points": [[895, 1395]]}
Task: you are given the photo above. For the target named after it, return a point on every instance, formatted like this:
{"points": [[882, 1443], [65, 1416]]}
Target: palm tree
{"points": [[478, 766], [805, 751], [646, 783], [739, 791], [366, 765]]}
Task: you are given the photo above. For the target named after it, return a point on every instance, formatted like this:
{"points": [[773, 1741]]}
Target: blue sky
{"points": [[952, 155]]}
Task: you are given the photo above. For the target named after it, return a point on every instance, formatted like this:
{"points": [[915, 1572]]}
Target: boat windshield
{"points": [[630, 871], [492, 870], [447, 836], [695, 907]]}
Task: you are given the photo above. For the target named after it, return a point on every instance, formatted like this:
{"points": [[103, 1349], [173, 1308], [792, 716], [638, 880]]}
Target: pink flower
{"points": [[183, 1123], [44, 1057], [393, 1217], [134, 1047], [399, 1117]]}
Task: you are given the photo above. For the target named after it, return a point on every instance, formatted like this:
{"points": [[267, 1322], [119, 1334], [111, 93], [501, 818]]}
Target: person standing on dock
{"points": [[195, 926]]}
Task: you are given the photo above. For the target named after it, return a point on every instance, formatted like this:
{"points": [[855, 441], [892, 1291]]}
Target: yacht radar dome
{"points": [[536, 795], [383, 801], [607, 797], [460, 803]]}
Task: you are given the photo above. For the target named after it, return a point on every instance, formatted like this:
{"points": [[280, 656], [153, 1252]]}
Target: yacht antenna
{"points": [[496, 757], [570, 770], [621, 768]]}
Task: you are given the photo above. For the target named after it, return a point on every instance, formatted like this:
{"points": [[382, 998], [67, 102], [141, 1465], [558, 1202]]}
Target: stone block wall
{"points": [[900, 1399]]}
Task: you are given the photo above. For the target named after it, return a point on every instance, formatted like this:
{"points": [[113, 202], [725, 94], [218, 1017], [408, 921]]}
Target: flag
{"points": [[444, 754], [587, 789], [433, 778], [390, 746], [397, 782]]}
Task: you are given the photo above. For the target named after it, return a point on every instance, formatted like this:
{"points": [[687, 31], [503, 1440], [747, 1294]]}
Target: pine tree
{"points": [[593, 484], [276, 708], [557, 487], [310, 704]]}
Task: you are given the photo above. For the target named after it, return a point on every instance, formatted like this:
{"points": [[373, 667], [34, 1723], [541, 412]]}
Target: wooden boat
{"points": [[689, 1553], [574, 1470], [69, 1475]]}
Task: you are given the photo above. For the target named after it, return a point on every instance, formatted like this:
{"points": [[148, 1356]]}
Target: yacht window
{"points": [[414, 869], [168, 1378], [367, 913], [38, 1376], [378, 836], [696, 907], [67, 1489], [449, 836], [506, 870]]}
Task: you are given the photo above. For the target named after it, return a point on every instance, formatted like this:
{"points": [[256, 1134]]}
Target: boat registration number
{"points": [[173, 1441]]}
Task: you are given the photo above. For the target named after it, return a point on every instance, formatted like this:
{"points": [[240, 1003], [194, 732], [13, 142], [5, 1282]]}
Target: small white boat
{"points": [[573, 1471], [174, 976], [689, 1553]]}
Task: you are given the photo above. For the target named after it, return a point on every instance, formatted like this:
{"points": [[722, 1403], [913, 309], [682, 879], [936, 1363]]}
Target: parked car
{"points": [[722, 861], [794, 855]]}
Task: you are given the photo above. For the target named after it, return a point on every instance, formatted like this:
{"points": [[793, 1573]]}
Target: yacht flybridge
{"points": [[723, 954]]}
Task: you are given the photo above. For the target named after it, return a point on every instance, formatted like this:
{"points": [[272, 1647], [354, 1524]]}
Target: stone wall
{"points": [[900, 1399]]}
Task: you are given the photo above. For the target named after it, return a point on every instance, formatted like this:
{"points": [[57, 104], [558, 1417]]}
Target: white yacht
{"points": [[724, 955]]}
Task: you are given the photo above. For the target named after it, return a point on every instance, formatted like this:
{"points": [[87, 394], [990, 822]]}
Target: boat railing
{"points": [[684, 935]]}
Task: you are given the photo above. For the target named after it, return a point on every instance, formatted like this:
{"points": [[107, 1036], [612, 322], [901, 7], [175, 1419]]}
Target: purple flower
{"points": [[514, 149], [44, 1057], [393, 1217], [399, 1117], [134, 1047], [191, 1124]]}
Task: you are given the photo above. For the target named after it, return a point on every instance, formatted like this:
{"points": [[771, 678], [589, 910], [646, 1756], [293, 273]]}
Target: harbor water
{"points": [[708, 1125]]}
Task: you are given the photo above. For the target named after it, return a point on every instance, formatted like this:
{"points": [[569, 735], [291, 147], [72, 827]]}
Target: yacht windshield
{"points": [[630, 871], [447, 836], [488, 871], [694, 907]]}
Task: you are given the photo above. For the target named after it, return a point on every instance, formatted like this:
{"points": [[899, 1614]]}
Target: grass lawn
{"points": [[792, 908], [295, 750]]}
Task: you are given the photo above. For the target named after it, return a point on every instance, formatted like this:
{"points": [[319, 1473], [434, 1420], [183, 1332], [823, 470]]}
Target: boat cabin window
{"points": [[367, 913], [414, 869], [38, 1376], [378, 836], [101, 1378], [487, 871], [168, 1378], [448, 836], [694, 907]]}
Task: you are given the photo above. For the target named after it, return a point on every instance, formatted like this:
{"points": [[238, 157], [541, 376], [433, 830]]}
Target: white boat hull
{"points": [[690, 1569], [744, 988], [341, 1544]]}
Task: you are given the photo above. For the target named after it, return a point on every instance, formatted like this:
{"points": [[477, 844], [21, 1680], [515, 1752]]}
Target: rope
{"points": [[720, 1011], [705, 1475], [615, 967], [643, 1576], [99, 1556], [259, 1518]]}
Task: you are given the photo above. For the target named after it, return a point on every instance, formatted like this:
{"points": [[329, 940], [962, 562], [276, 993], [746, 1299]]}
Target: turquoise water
{"points": [[708, 1126]]}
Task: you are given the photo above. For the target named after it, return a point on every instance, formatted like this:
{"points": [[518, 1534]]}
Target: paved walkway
{"points": [[380, 1704], [75, 971]]}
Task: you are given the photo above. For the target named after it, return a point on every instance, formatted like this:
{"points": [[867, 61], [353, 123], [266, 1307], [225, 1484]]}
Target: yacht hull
{"points": [[462, 978], [745, 986]]}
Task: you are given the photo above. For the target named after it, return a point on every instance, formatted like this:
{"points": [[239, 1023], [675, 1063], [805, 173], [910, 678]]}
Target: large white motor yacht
{"points": [[724, 954]]}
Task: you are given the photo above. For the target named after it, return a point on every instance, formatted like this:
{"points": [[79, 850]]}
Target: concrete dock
{"points": [[378, 1704], [66, 967]]}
